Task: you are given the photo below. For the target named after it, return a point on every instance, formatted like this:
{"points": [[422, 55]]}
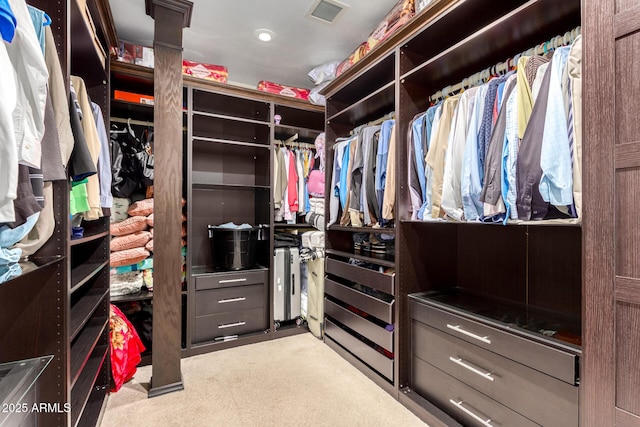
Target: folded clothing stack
{"points": [[131, 246]]}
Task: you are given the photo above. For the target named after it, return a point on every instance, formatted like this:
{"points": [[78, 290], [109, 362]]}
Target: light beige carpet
{"points": [[294, 381]]}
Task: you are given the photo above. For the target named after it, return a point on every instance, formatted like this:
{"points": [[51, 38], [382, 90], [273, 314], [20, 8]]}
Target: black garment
{"points": [[80, 165], [356, 164], [370, 184], [37, 185], [529, 201]]}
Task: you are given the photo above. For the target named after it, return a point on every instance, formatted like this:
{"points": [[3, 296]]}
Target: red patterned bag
{"points": [[126, 348]]}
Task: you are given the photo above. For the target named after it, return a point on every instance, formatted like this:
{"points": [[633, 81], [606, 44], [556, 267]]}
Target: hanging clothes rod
{"points": [[135, 122], [376, 122], [296, 144], [503, 67], [131, 121]]}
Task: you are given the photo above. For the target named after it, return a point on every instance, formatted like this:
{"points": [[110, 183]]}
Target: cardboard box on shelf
{"points": [[136, 54], [216, 73], [292, 92], [138, 98]]}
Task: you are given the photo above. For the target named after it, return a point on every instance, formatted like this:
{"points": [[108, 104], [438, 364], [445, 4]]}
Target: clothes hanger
{"points": [[129, 128]]}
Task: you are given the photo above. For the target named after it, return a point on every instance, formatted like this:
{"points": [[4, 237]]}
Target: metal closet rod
{"points": [[376, 122], [503, 67], [296, 144], [135, 122]]}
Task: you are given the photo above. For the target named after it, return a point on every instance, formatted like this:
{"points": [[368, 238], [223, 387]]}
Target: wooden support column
{"points": [[171, 16]]}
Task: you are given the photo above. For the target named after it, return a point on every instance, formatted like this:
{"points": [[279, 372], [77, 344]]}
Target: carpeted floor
{"points": [[294, 381]]}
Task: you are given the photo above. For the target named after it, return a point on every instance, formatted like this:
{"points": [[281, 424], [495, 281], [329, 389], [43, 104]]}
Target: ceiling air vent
{"points": [[326, 10]]}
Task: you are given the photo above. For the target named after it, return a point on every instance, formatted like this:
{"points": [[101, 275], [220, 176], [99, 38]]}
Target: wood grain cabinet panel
{"points": [[463, 403], [537, 396]]}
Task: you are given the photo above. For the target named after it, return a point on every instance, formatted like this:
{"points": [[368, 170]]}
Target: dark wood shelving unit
{"points": [[369, 81], [372, 260], [225, 117], [95, 407], [431, 52], [37, 318], [231, 135], [127, 109], [238, 187], [223, 145], [82, 311], [82, 389], [85, 59], [36, 268], [90, 238], [282, 132], [84, 345], [371, 107], [533, 22], [278, 225], [348, 228], [138, 296], [85, 272]]}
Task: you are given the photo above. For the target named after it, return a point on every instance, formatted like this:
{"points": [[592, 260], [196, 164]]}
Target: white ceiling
{"points": [[222, 33]]}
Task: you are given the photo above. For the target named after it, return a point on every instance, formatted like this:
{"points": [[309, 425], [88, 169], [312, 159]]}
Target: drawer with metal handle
{"points": [[463, 403], [228, 279], [215, 301], [539, 397], [537, 355], [208, 328]]}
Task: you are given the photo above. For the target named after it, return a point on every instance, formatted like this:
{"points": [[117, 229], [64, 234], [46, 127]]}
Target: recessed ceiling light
{"points": [[265, 35]]}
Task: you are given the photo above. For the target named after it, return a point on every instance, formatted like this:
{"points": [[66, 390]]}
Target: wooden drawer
{"points": [[539, 397], [379, 362], [552, 361], [235, 278], [364, 327], [208, 328], [381, 309], [463, 403], [224, 300], [376, 280]]}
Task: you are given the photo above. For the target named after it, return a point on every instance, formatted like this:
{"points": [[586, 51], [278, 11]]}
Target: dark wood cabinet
{"points": [[229, 136], [59, 305], [577, 280]]}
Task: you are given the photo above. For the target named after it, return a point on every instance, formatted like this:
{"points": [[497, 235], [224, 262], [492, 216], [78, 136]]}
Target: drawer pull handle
{"points": [[459, 405], [231, 325], [457, 328], [225, 301], [460, 362], [244, 279]]}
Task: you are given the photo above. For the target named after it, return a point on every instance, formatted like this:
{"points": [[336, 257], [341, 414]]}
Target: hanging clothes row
{"points": [[44, 131], [292, 166], [363, 178], [510, 149]]}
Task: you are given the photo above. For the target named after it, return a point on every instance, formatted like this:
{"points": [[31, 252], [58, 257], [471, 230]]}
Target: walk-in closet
{"points": [[319, 212]]}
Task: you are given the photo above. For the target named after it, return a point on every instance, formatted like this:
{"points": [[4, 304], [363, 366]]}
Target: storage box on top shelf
{"points": [[292, 92], [136, 54], [138, 98], [201, 70], [398, 16]]}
